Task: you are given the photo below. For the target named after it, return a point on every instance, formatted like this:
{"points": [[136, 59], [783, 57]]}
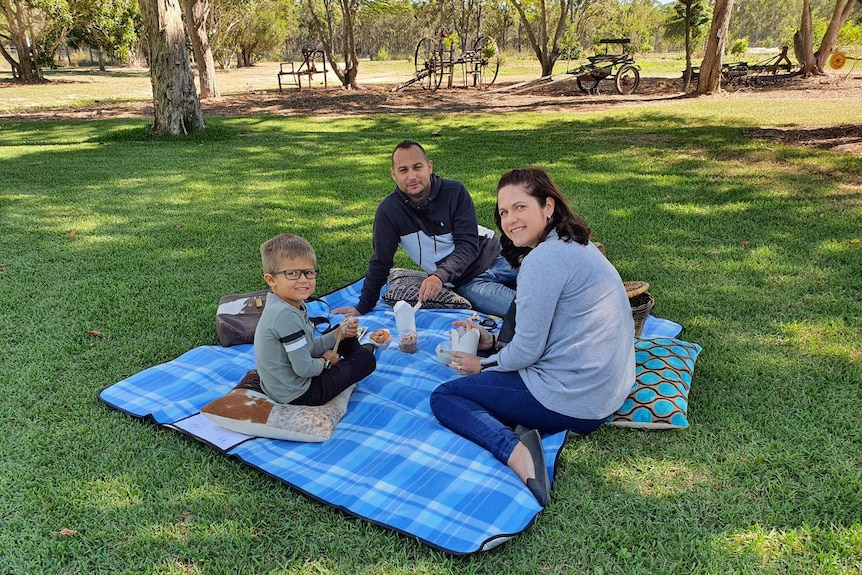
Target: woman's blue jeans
{"points": [[486, 406]]}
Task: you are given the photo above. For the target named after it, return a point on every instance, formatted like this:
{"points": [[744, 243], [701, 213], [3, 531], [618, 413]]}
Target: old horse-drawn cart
{"points": [[435, 59], [619, 67]]}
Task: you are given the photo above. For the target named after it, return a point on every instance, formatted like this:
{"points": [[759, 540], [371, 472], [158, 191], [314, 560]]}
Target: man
{"points": [[434, 220]]}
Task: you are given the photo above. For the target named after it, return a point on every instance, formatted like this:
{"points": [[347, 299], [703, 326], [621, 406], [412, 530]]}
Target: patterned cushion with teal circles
{"points": [[659, 399]]}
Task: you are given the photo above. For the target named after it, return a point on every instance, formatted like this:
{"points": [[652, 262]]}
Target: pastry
{"points": [[379, 336]]}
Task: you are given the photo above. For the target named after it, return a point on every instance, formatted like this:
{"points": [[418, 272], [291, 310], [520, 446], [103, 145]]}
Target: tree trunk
{"points": [[686, 80], [18, 21], [709, 80], [28, 70], [325, 33], [843, 9], [177, 108], [12, 63], [806, 35], [349, 9], [196, 12], [101, 53], [547, 49]]}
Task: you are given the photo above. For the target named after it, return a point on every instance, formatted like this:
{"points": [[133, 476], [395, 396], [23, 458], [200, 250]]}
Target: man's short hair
{"points": [[406, 145]]}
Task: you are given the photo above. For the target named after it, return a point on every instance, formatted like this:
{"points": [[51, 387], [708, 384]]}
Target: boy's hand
{"points": [[332, 356], [349, 327]]}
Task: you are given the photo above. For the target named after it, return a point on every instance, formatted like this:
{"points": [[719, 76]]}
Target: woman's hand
{"points": [[486, 340], [464, 363]]}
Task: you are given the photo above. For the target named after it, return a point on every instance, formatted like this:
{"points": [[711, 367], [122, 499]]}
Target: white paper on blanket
{"points": [[462, 339], [405, 317]]}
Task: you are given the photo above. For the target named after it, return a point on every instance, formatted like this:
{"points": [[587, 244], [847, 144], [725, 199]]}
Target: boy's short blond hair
{"points": [[282, 247]]}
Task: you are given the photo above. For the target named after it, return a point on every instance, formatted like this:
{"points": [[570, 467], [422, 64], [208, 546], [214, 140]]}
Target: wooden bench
{"points": [[313, 62]]}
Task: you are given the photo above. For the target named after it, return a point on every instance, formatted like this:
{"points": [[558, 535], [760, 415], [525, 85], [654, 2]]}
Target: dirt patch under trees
{"points": [[560, 96]]}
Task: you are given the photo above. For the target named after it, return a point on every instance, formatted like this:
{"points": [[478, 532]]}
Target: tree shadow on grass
{"points": [[749, 248]]}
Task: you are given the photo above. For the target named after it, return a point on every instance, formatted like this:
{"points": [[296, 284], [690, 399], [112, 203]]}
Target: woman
{"points": [[571, 361]]}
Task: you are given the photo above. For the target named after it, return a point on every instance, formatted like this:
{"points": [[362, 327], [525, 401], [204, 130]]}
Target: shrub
{"points": [[739, 47]]}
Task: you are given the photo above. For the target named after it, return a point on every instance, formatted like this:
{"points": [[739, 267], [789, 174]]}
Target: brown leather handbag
{"points": [[237, 317]]}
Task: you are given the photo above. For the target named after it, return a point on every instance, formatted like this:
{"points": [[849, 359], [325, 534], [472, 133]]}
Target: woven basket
{"points": [[641, 304], [636, 288]]}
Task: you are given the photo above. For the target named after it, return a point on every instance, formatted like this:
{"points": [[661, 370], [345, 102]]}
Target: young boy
{"points": [[294, 366]]}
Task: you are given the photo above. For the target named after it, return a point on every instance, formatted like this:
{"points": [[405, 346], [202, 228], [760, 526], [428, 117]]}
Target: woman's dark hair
{"points": [[570, 226]]}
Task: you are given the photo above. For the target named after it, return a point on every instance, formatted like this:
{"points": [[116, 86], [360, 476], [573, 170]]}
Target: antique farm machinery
{"points": [[771, 69], [435, 60], [839, 58]]}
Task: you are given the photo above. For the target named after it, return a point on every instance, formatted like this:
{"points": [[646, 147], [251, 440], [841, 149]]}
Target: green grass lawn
{"points": [[755, 247]]}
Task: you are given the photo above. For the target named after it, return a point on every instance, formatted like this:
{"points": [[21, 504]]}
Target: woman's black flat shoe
{"points": [[540, 486]]}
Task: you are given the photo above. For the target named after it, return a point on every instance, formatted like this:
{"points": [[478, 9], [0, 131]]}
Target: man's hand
{"points": [[347, 311], [430, 288]]}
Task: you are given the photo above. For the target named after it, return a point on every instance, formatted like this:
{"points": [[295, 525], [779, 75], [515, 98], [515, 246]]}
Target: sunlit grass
{"points": [[753, 246]]}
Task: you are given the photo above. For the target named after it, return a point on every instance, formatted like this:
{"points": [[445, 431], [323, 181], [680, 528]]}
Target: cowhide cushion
{"points": [[659, 398], [248, 410]]}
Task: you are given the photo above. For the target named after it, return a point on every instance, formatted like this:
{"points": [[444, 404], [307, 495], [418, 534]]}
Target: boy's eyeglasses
{"points": [[295, 274]]}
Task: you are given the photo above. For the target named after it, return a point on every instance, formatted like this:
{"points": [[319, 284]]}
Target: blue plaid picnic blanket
{"points": [[388, 461]]}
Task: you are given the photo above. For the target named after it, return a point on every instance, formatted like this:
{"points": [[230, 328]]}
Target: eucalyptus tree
{"points": [[334, 24], [264, 31], [766, 23], [636, 20], [803, 41], [499, 21], [392, 29], [688, 21], [222, 27], [709, 80], [248, 29], [544, 23], [197, 13], [108, 26], [840, 14], [35, 29], [176, 107], [463, 19]]}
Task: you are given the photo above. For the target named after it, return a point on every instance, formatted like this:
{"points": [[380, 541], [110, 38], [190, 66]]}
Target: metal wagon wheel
{"points": [[429, 63], [837, 60], [487, 65], [627, 79]]}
